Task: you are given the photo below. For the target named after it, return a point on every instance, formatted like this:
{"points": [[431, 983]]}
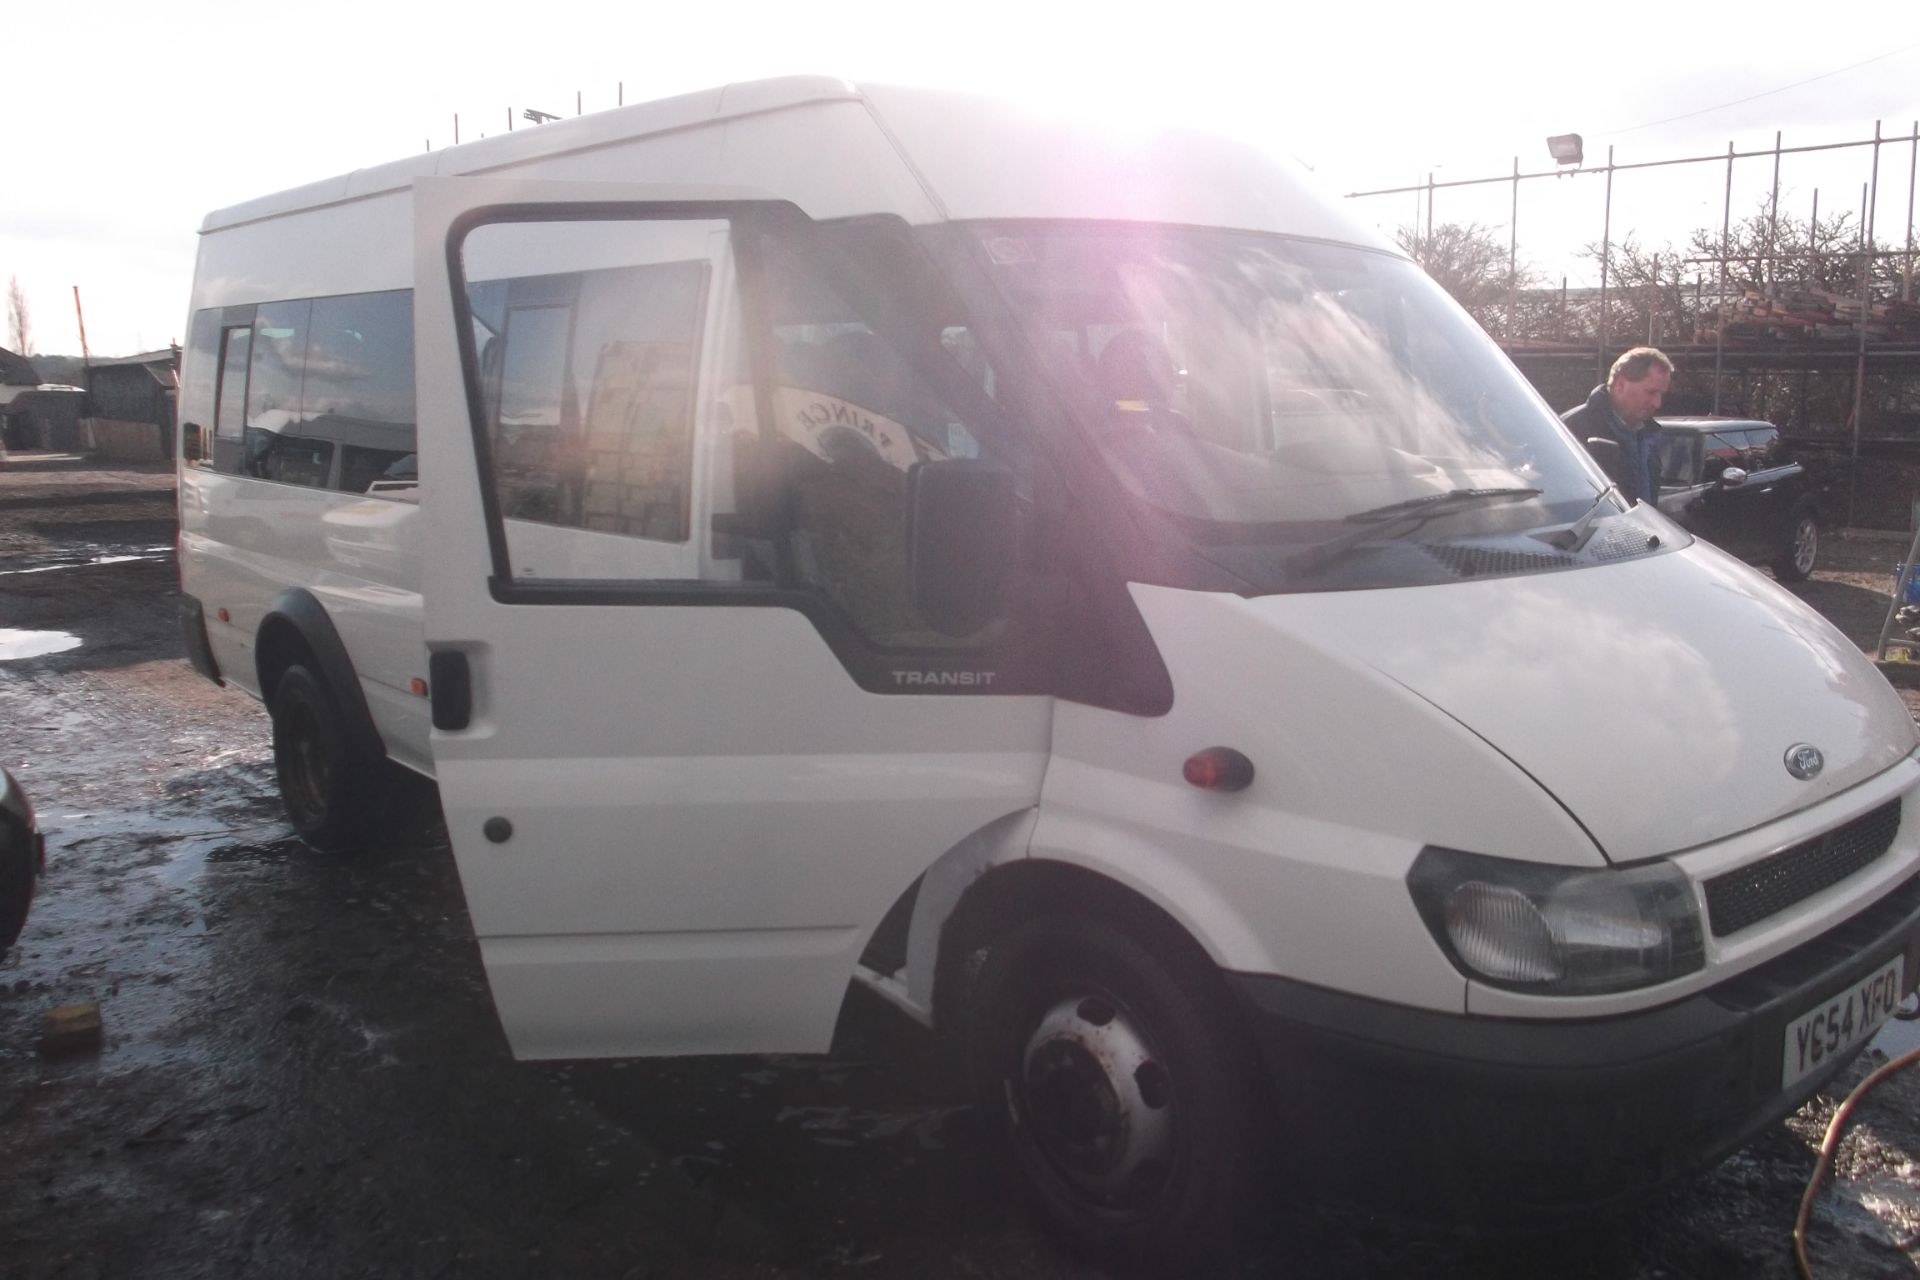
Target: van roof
{"points": [[971, 157]]}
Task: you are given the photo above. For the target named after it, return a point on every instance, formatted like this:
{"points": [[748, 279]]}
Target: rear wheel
{"points": [[1108, 1063], [331, 790], [1797, 558]]}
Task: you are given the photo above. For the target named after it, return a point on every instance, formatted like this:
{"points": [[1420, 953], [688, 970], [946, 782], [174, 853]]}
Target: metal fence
{"points": [[1880, 318]]}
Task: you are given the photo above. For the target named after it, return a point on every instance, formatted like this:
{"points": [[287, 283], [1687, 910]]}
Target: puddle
{"points": [[34, 644], [52, 561]]}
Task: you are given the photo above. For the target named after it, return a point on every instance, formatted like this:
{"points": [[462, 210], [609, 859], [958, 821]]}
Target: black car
{"points": [[23, 855], [1729, 480]]}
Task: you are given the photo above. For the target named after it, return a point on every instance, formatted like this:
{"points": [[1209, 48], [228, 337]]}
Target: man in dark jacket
{"points": [[1622, 411]]}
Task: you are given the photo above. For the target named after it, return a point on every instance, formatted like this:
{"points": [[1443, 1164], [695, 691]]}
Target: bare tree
{"points": [[1649, 298], [1769, 254], [19, 318], [1469, 261]]}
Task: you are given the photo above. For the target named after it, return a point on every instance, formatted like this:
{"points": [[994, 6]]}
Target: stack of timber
{"points": [[1818, 315]]}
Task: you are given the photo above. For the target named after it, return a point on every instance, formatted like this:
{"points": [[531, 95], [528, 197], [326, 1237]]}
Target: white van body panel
{"points": [[1707, 699], [988, 160], [1354, 775]]}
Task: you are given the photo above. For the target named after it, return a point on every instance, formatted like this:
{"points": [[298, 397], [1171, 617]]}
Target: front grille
{"points": [[1749, 895]]}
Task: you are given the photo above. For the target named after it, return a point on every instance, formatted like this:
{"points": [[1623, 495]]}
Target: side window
{"points": [[588, 338], [1763, 448], [275, 449], [358, 390], [230, 407], [198, 388], [1674, 459], [854, 408], [640, 423], [1722, 450]]}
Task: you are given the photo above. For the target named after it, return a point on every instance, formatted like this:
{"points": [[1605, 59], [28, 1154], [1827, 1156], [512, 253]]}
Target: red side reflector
{"points": [[1218, 769], [222, 615], [419, 686]]}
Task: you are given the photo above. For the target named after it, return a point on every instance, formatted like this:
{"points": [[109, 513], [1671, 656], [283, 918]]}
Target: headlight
{"points": [[1558, 930]]}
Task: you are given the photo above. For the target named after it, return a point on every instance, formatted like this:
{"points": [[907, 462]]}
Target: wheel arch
{"points": [[297, 627], [1013, 892]]}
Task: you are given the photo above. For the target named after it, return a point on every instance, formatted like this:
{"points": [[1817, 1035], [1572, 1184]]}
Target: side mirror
{"points": [[1733, 477], [1612, 459], [962, 538]]}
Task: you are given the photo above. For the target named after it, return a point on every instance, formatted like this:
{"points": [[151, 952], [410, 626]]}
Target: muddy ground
{"points": [[301, 1073]]}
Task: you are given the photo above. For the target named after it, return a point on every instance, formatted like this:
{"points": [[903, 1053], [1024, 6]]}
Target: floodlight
{"points": [[1565, 148]]}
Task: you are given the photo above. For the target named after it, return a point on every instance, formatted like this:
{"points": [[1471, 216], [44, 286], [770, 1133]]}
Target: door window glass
{"points": [[641, 423], [587, 337], [1722, 449], [1763, 448], [1676, 458], [858, 401]]}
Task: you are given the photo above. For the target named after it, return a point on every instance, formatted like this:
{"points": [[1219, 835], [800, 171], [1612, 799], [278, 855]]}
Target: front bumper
{"points": [[1507, 1118]]}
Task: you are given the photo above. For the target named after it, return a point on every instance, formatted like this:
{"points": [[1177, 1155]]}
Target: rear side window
{"points": [[358, 387], [230, 415], [312, 392]]}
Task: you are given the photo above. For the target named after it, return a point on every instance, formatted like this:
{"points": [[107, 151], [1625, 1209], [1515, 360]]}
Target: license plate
{"points": [[1848, 1019]]}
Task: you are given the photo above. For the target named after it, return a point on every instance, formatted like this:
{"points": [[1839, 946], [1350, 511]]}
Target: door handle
{"points": [[451, 686]]}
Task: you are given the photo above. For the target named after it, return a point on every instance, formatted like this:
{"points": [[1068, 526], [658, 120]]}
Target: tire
{"points": [[18, 869], [1797, 559], [331, 791], [1114, 1078]]}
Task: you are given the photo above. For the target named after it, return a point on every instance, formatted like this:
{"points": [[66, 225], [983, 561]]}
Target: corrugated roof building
{"points": [[131, 400]]}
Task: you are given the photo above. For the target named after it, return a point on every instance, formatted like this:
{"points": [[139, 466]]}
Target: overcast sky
{"points": [[130, 121]]}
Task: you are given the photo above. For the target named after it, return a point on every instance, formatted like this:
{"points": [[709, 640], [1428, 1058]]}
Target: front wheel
{"points": [[1108, 1064], [330, 789], [1796, 560]]}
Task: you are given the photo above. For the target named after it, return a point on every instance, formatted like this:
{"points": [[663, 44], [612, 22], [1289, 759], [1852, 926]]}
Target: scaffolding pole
{"points": [[1606, 255], [1513, 254], [1860, 365], [1720, 329], [1913, 164]]}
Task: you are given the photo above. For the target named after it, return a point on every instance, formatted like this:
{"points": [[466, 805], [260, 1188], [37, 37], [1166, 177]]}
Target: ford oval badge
{"points": [[1804, 761]]}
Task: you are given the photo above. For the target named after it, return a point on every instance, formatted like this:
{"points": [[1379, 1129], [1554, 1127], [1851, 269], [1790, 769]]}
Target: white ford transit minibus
{"points": [[1088, 592]]}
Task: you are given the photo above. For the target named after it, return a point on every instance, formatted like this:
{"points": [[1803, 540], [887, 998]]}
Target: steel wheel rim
{"points": [[308, 770], [1098, 1103]]}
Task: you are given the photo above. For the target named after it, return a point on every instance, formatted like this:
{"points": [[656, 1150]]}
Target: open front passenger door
{"points": [[691, 735]]}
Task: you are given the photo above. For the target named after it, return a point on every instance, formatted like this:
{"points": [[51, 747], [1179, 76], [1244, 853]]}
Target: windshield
{"points": [[1298, 410]]}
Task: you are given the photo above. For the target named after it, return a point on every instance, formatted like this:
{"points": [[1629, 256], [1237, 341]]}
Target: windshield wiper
{"points": [[1574, 536], [1411, 513], [1434, 504]]}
